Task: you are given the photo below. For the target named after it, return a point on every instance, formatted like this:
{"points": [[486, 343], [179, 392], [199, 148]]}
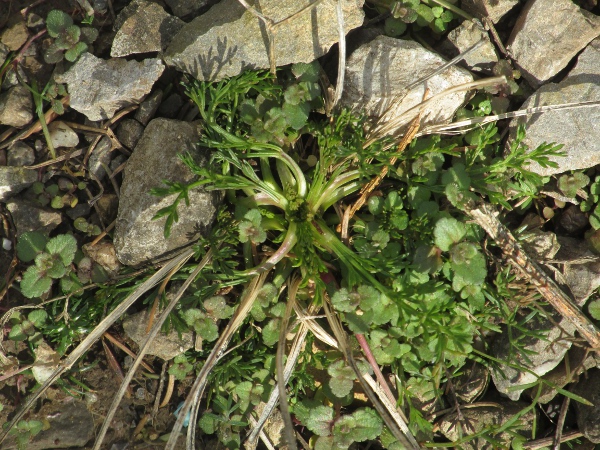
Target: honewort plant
{"points": [[419, 323], [407, 292]]}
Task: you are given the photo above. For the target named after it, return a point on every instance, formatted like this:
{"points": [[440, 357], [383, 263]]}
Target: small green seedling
{"points": [[27, 328], [205, 322], [53, 259], [24, 431], [70, 41], [180, 367]]}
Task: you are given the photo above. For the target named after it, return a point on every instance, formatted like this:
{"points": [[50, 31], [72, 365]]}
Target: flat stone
{"points": [[62, 135], [99, 88], [542, 42], [129, 132], [148, 107], [493, 9], [138, 238], [377, 75], [228, 40], [165, 346], [16, 107], [171, 106], [14, 179], [465, 36], [583, 278], [577, 129], [29, 216], [69, 424], [480, 417], [183, 8], [15, 33], [149, 29], [20, 154], [540, 354], [588, 417]]}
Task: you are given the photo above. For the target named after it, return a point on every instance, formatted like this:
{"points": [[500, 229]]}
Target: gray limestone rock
{"points": [[547, 35], [588, 416], [577, 129], [14, 179], [20, 154], [465, 36], [69, 424], [62, 135], [149, 29], [16, 107], [488, 415], [377, 75], [15, 33], [182, 8], [165, 346], [99, 88], [138, 238], [148, 107], [227, 39], [493, 9], [29, 216], [581, 267], [129, 132], [545, 346]]}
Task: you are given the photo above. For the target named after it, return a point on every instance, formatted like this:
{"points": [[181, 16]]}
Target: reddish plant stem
{"points": [[364, 345]]}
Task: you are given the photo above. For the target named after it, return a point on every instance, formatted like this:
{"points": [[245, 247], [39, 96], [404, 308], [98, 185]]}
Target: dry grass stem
{"points": [[95, 334], [485, 217]]}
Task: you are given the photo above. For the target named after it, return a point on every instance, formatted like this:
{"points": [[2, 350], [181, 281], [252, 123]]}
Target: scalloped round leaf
{"points": [[362, 425], [427, 259], [57, 21], [88, 35], [296, 115], [53, 54], [34, 283], [57, 269], [37, 317], [457, 174], [73, 32], [343, 301], [270, 332], [64, 245], [447, 232], [217, 307], [74, 52], [342, 378], [30, 244], [306, 71], [473, 271], [594, 309], [394, 27], [319, 420]]}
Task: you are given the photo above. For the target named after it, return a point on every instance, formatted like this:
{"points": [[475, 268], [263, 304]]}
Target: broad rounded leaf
{"points": [[30, 244], [447, 232], [362, 425], [37, 317], [57, 21], [472, 271], [73, 53], [319, 420], [306, 72], [342, 378], [34, 283], [64, 245], [594, 309], [89, 34]]}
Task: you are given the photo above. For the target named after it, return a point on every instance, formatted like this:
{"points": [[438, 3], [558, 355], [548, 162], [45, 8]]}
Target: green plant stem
{"points": [[286, 246]]}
